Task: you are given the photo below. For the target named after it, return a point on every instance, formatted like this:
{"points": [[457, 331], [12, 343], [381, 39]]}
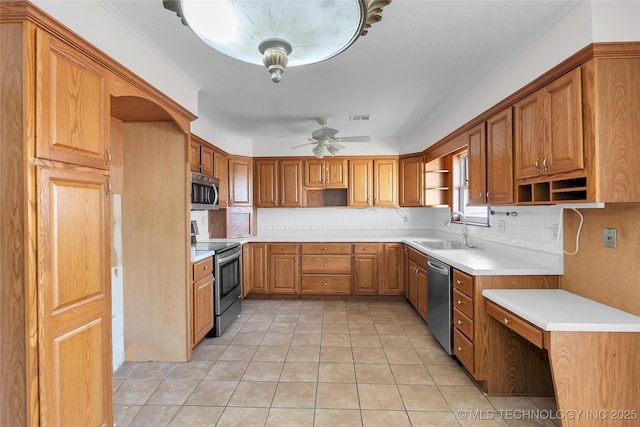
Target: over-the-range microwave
{"points": [[204, 192]]}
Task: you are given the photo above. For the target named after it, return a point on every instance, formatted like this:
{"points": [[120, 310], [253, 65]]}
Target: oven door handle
{"points": [[224, 260]]}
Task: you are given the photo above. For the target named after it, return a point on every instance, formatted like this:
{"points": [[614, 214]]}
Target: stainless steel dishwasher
{"points": [[439, 294]]}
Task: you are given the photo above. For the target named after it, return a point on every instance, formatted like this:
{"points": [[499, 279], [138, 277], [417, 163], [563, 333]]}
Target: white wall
{"points": [[117, 282]]}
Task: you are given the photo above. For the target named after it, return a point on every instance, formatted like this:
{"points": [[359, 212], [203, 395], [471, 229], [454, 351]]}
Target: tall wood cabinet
{"points": [[411, 180]]}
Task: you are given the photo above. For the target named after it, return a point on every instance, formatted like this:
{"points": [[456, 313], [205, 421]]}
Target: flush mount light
{"points": [[279, 33]]}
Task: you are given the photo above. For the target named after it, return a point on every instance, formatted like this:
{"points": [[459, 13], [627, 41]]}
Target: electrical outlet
{"points": [[500, 226], [610, 238]]}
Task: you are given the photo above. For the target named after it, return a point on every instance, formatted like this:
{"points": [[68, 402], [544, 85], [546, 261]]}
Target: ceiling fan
{"points": [[325, 140]]}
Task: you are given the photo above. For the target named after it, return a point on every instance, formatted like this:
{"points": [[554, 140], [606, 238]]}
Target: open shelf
{"points": [[553, 191]]}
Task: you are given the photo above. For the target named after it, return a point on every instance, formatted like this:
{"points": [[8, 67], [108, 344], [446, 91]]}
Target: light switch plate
{"points": [[610, 238]]}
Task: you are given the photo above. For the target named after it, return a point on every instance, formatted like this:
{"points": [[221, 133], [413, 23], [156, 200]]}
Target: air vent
{"points": [[359, 118]]}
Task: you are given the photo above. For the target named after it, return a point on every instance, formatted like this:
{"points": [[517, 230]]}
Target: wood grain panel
{"points": [[290, 183], [334, 284], [392, 282], [411, 181], [477, 146], [329, 264], [618, 109], [156, 242], [335, 173], [326, 248], [16, 368], [500, 158], [605, 366], [385, 185], [609, 276]]}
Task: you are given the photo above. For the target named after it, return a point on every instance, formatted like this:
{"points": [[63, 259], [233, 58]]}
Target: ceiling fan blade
{"points": [[338, 146], [354, 139], [302, 145]]}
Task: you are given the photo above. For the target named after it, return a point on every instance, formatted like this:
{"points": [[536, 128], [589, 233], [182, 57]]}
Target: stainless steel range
{"points": [[227, 278]]}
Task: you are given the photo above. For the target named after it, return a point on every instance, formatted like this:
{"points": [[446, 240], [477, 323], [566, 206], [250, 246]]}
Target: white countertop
{"points": [[559, 310], [488, 259]]}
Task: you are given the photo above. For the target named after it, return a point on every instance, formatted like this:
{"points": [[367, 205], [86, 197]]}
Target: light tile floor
{"points": [[317, 363]]}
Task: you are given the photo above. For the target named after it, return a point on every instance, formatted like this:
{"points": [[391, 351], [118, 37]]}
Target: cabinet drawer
{"points": [[326, 284], [463, 323], [202, 269], [523, 328], [365, 248], [463, 303], [326, 248], [463, 282], [283, 248], [329, 264], [463, 349]]}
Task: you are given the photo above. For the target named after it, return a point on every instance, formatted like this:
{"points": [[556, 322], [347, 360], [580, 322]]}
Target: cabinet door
{"points": [[500, 158], [412, 282], [411, 181], [240, 182], [365, 269], [266, 183], [529, 136], [194, 156], [284, 274], [255, 268], [290, 183], [563, 112], [314, 174], [74, 298], [421, 292], [477, 153], [384, 179], [221, 171], [206, 160], [202, 308], [72, 105], [393, 277], [360, 183], [335, 173]]}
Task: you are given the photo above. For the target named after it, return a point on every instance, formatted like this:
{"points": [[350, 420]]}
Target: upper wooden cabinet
{"points": [[72, 105], [477, 154], [548, 129], [411, 177], [325, 173], [500, 158], [278, 183], [372, 182], [240, 188], [221, 171], [201, 156]]}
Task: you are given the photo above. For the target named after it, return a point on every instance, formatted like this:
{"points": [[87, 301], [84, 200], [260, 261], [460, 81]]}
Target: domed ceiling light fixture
{"points": [[279, 33]]}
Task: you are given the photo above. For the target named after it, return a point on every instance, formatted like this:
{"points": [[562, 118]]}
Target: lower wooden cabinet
{"points": [[283, 268], [326, 268], [202, 299], [365, 268], [392, 275], [254, 269], [417, 281]]}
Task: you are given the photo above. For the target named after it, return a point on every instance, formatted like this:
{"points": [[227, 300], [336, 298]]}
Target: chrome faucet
{"points": [[465, 228]]}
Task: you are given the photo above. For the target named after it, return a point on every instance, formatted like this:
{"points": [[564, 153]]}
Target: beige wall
{"points": [[610, 276]]}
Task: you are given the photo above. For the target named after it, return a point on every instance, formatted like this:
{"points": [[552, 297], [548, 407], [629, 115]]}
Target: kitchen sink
{"points": [[442, 244]]}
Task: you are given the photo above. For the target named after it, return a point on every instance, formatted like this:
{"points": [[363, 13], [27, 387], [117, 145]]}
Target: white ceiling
{"points": [[421, 55]]}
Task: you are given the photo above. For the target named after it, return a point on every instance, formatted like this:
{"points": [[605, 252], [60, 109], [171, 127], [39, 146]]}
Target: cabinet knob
{"points": [[506, 321], [458, 282], [325, 249], [459, 302], [459, 348], [325, 264], [206, 267], [325, 283], [459, 322]]}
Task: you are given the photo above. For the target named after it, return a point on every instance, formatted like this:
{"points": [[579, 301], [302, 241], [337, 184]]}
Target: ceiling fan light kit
{"points": [[325, 140], [279, 33]]}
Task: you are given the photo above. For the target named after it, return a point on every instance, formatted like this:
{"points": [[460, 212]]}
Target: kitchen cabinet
{"points": [[326, 268], [283, 268], [500, 158], [477, 157], [365, 268], [411, 181], [416, 277], [74, 296], [325, 173], [201, 156], [202, 299], [392, 282], [372, 182], [254, 268], [438, 182], [240, 181], [278, 183], [221, 171], [71, 105], [473, 344], [548, 129]]}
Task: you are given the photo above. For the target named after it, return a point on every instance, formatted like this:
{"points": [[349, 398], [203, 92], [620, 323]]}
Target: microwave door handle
{"points": [[215, 195]]}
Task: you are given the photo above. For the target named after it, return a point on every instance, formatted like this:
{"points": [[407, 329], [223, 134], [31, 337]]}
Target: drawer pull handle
{"points": [[459, 322], [325, 249], [325, 264], [325, 283], [458, 282], [206, 267], [459, 348], [506, 321], [459, 302]]}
